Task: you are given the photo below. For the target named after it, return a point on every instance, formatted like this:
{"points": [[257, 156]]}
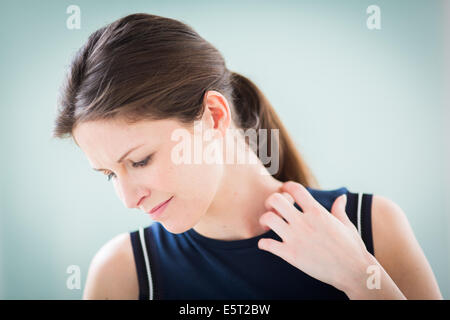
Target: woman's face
{"points": [[148, 174]]}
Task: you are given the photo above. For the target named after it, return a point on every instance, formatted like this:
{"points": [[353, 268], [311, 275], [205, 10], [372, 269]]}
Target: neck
{"points": [[239, 202]]}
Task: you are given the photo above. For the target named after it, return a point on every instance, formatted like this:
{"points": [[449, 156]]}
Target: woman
{"points": [[227, 229]]}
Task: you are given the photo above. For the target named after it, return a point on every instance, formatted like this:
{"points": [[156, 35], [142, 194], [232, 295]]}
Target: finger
{"points": [[338, 210], [301, 196], [288, 197], [292, 201], [275, 222], [276, 247], [279, 203]]}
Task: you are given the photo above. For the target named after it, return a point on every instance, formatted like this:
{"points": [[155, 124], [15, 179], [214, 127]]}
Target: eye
{"points": [[142, 163], [139, 164], [110, 175]]}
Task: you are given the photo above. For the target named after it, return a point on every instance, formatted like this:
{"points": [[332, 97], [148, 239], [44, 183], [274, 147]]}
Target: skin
{"points": [[329, 248], [235, 201]]}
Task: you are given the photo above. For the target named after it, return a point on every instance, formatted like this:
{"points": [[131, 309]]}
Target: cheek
{"points": [[118, 191], [190, 181], [194, 187], [197, 180]]}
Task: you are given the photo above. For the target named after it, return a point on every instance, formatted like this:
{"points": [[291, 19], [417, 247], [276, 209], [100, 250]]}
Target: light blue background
{"points": [[366, 108]]}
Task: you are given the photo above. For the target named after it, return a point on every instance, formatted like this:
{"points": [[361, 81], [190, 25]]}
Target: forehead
{"points": [[107, 138], [112, 131]]}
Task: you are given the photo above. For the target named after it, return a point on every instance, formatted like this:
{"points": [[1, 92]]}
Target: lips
{"points": [[159, 205]]}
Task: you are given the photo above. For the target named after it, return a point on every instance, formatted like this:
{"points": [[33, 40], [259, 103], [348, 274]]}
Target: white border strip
{"points": [[147, 265], [359, 212]]}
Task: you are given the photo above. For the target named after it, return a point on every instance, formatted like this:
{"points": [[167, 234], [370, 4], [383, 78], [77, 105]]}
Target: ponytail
{"points": [[255, 111]]}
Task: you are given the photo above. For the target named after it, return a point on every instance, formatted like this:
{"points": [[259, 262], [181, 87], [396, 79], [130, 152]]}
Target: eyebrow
{"points": [[123, 156]]}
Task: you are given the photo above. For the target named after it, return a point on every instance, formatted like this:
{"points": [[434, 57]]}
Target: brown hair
{"points": [[148, 67]]}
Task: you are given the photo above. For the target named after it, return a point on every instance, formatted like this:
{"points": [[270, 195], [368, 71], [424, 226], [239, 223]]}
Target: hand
{"points": [[325, 246]]}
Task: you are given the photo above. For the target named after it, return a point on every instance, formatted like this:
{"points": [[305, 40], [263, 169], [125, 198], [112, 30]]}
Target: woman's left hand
{"points": [[325, 246]]}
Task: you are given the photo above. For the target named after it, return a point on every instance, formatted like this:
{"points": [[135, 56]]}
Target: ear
{"points": [[217, 111]]}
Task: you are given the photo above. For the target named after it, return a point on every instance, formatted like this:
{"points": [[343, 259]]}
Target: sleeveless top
{"points": [[190, 266]]}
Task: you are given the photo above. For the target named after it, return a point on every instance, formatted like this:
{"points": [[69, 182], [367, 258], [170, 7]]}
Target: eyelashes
{"points": [[139, 164], [142, 163]]}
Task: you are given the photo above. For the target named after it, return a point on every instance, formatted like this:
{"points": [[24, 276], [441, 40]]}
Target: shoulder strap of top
{"points": [[138, 242], [358, 216], [364, 219]]}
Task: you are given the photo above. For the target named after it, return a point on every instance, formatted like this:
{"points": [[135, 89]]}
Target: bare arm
{"points": [[404, 265], [112, 273]]}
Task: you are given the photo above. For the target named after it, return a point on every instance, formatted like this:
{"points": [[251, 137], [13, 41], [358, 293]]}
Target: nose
{"points": [[131, 194]]}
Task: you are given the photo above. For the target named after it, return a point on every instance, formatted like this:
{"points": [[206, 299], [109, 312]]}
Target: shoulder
{"points": [[398, 251], [112, 272], [386, 210], [389, 222], [390, 228]]}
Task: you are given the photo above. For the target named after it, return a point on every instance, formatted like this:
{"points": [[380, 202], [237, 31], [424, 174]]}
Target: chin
{"points": [[176, 229]]}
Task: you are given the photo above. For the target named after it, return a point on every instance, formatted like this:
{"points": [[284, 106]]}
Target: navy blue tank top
{"points": [[191, 266]]}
